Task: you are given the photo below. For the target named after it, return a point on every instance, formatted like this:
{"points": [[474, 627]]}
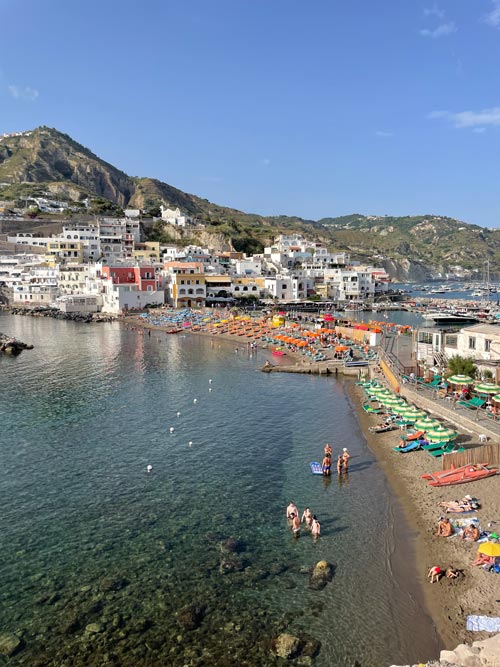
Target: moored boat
{"points": [[278, 353], [462, 475]]}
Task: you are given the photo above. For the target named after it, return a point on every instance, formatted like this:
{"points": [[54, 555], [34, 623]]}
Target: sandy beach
{"points": [[450, 601]]}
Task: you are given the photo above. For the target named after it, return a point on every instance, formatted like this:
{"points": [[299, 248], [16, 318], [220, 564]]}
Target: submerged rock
{"points": [[233, 545], [321, 575], [94, 628], [113, 584], [286, 646], [191, 616], [9, 644], [231, 563]]}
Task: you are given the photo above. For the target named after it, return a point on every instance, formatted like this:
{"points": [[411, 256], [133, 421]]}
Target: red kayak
{"points": [[278, 353], [468, 473]]}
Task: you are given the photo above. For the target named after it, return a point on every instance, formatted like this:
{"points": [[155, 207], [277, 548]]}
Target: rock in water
{"points": [[321, 575], [9, 644], [286, 646], [191, 616]]}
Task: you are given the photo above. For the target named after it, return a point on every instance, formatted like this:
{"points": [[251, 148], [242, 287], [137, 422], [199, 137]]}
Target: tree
{"points": [[462, 366]]}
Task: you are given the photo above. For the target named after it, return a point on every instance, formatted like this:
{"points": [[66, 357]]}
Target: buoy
{"points": [[210, 381], [190, 443], [149, 468], [172, 429], [195, 400], [210, 389], [178, 414]]}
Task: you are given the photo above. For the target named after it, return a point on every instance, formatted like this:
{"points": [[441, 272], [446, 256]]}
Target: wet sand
{"points": [[450, 601]]}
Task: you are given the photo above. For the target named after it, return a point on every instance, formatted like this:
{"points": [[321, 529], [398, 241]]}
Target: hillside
{"points": [[46, 161]]}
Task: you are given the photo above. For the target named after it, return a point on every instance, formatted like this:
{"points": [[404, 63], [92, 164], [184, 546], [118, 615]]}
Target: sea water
{"points": [[193, 563]]}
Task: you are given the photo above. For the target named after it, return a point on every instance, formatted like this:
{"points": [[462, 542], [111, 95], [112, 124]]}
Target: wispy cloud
{"points": [[383, 133], [25, 94], [493, 16], [478, 121], [442, 30], [434, 11]]}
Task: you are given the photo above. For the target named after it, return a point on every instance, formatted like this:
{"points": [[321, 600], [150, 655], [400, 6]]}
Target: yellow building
{"points": [[63, 250], [148, 251], [186, 284]]}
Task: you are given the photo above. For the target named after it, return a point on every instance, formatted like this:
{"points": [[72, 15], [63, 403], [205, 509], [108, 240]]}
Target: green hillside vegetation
{"points": [[46, 161]]}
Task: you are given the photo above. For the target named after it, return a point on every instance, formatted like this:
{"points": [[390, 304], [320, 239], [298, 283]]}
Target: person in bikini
{"points": [[445, 527], [346, 457], [328, 449], [471, 533], [340, 464], [315, 528]]}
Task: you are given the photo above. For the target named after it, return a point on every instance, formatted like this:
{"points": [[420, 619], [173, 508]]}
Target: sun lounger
{"points": [[412, 436], [473, 404], [410, 447], [449, 449], [431, 446]]}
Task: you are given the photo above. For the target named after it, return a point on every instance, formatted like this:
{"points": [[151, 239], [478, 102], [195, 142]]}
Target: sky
{"points": [[314, 108]]}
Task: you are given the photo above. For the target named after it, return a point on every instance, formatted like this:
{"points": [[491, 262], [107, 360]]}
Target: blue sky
{"points": [[318, 108]]}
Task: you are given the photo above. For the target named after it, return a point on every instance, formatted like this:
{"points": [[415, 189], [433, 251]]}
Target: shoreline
{"points": [[450, 602]]}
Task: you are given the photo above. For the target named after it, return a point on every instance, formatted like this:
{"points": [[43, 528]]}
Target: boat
{"points": [[451, 317], [278, 353], [462, 475]]}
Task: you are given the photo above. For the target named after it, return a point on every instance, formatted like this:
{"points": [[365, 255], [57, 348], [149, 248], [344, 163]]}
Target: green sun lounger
{"points": [[435, 445], [474, 403], [449, 449]]}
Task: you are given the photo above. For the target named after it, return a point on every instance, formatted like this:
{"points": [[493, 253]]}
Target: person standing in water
{"points": [[295, 525], [340, 465], [315, 528], [327, 465], [328, 449], [291, 509], [346, 457], [307, 517]]}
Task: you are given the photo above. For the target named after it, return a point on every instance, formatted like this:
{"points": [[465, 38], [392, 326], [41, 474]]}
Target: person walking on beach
{"points": [[315, 528], [345, 457], [291, 509], [307, 517], [340, 464]]}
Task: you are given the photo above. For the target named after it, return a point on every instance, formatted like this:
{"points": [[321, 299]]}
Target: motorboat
{"points": [[452, 317]]}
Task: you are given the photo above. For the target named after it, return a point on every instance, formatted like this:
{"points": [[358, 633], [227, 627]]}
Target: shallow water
{"points": [[88, 537]]}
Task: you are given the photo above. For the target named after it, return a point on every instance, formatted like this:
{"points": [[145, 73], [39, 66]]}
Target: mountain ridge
{"points": [[47, 159]]}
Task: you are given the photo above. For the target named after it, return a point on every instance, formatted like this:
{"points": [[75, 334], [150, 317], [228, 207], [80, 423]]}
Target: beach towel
{"points": [[487, 623]]}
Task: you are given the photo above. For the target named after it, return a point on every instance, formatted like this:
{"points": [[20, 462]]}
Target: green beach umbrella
{"points": [[484, 388], [427, 424], [379, 390], [393, 401], [441, 433], [460, 379], [413, 413], [496, 398]]}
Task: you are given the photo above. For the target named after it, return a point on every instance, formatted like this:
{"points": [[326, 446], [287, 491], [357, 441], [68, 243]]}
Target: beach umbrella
{"points": [[489, 549], [496, 398], [441, 433], [413, 413], [460, 379], [426, 424], [393, 401], [486, 388], [379, 389]]}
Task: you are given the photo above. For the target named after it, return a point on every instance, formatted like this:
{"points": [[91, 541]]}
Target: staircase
{"points": [[441, 359]]}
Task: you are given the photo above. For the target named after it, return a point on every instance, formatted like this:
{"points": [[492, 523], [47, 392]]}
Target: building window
{"points": [[451, 341], [197, 282], [487, 345], [472, 342], [182, 282]]}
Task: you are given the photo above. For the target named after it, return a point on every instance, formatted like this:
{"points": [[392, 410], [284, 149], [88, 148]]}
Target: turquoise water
{"points": [[105, 564]]}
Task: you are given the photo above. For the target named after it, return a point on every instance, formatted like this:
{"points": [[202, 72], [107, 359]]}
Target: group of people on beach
{"points": [[342, 461], [308, 518]]}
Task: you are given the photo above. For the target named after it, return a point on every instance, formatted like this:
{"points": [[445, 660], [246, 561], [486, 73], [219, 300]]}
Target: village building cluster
{"points": [[106, 265]]}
